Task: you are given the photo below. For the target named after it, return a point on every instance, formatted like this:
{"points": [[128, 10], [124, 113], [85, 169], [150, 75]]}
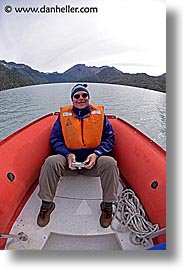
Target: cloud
{"points": [[122, 32]]}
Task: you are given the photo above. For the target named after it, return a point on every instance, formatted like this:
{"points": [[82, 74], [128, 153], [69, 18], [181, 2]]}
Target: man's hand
{"points": [[71, 158], [90, 161]]}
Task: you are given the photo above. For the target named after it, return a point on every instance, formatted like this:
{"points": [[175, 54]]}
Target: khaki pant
{"points": [[56, 166]]}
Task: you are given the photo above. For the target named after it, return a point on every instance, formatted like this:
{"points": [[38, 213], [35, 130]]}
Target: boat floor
{"points": [[74, 224]]}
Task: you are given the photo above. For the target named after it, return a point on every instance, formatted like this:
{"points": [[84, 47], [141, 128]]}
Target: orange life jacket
{"points": [[82, 133]]}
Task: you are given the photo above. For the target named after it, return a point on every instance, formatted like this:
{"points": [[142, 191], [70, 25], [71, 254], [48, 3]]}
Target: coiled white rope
{"points": [[130, 216]]}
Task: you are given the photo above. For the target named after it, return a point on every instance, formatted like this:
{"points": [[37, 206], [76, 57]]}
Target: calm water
{"points": [[144, 109]]}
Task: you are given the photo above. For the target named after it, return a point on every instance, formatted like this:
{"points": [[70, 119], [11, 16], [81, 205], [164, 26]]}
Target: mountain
{"points": [[140, 80], [80, 71], [34, 76], [106, 75], [16, 75], [10, 78], [143, 80]]}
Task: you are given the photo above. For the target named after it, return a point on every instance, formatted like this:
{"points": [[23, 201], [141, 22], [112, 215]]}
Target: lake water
{"points": [[144, 109]]}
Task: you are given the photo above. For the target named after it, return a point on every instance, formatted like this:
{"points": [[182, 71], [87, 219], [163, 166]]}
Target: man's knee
{"points": [[107, 161], [54, 160]]}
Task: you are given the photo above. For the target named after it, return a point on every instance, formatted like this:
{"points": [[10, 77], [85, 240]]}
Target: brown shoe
{"points": [[44, 215], [106, 216]]}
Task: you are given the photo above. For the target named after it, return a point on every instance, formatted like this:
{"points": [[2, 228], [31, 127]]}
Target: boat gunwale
{"points": [[108, 116], [25, 127], [35, 183]]}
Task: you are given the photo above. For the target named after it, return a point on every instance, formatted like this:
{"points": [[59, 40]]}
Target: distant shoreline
{"points": [[13, 75]]}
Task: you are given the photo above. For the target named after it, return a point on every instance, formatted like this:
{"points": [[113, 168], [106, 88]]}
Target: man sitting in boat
{"points": [[82, 138]]}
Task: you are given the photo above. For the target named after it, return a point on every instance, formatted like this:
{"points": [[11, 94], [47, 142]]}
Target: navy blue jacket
{"points": [[104, 148]]}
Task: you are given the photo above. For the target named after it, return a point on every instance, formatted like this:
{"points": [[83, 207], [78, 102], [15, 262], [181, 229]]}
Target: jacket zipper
{"points": [[82, 131]]}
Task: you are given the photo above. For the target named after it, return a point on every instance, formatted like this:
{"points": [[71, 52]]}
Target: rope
{"points": [[130, 216]]}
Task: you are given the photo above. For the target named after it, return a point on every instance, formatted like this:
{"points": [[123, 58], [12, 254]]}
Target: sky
{"points": [[127, 34]]}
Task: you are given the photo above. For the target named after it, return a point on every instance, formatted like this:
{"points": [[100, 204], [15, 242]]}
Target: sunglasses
{"points": [[77, 96]]}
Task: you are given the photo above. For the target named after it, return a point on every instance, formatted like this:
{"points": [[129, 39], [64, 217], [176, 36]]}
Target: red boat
{"points": [[142, 165]]}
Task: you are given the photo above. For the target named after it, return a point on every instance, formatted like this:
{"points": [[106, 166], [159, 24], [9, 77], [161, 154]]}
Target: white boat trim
{"points": [[74, 224]]}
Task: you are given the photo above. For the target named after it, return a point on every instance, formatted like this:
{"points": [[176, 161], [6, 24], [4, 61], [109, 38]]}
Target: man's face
{"points": [[80, 99]]}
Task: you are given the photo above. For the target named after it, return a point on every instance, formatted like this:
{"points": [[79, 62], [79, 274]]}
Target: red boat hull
{"points": [[141, 162]]}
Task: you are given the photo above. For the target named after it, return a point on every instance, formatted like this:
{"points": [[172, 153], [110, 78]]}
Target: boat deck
{"points": [[74, 223]]}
